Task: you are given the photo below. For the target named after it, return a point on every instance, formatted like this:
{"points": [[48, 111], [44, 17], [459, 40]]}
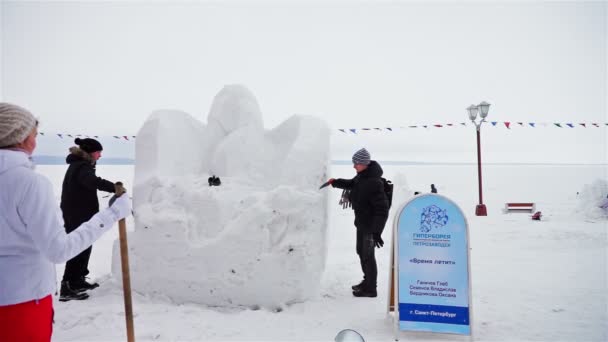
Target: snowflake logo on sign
{"points": [[432, 217]]}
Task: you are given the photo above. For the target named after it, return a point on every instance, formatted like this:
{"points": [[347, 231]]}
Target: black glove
{"points": [[378, 240]]}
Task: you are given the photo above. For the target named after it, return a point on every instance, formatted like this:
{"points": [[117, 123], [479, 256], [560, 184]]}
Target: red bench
{"points": [[520, 207]]}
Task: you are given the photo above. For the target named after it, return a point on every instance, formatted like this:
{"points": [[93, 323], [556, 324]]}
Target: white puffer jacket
{"points": [[32, 236]]}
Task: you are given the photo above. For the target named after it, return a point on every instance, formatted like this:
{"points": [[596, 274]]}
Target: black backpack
{"points": [[388, 190]]}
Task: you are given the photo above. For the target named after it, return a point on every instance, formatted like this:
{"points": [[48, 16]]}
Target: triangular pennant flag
{"points": [[126, 138], [96, 137], [583, 124], [413, 126], [133, 136], [341, 130], [450, 125], [531, 124], [507, 123], [596, 125], [116, 137], [558, 125], [78, 135], [41, 133], [570, 125], [425, 126], [463, 123], [59, 135], [354, 130], [437, 125], [69, 135], [390, 129], [494, 123], [377, 128], [366, 129], [520, 123]]}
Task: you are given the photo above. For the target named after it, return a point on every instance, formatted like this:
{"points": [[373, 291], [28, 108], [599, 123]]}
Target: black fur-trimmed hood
{"points": [[78, 155]]}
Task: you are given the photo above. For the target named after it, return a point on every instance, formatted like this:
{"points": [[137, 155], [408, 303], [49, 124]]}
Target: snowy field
{"points": [[531, 280]]}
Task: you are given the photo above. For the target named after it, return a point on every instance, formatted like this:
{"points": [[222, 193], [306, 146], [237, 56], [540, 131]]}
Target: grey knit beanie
{"points": [[16, 124], [361, 157]]}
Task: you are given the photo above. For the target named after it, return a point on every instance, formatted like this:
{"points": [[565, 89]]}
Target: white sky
{"points": [[102, 67]]}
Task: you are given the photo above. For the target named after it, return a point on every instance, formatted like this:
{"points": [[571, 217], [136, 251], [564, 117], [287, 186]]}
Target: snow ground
{"points": [[531, 280]]}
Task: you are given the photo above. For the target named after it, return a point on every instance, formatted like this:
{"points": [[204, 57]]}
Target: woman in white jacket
{"points": [[32, 237]]}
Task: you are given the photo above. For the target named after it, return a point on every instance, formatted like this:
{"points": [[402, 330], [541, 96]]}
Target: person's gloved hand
{"points": [[331, 181], [120, 207], [119, 189], [378, 240]]}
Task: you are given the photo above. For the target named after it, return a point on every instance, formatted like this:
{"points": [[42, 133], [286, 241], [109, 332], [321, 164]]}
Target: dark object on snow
{"points": [[537, 215], [433, 189], [214, 181], [416, 193]]}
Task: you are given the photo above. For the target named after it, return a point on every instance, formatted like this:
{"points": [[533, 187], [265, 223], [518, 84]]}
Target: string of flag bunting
{"points": [[505, 124]]}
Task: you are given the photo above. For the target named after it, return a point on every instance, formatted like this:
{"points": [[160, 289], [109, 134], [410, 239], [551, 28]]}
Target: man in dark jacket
{"points": [[79, 203], [370, 204]]}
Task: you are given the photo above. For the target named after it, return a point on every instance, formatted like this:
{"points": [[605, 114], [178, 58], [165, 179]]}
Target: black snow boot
{"points": [[81, 284], [68, 293], [363, 292], [358, 286]]}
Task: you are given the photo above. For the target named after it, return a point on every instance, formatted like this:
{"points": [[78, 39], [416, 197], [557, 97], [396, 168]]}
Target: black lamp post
{"points": [[483, 109]]}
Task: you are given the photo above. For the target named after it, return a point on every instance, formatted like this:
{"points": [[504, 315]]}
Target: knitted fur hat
{"points": [[361, 157], [89, 145], [16, 124]]}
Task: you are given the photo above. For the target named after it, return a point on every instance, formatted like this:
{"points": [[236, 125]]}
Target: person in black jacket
{"points": [[79, 203], [370, 204]]}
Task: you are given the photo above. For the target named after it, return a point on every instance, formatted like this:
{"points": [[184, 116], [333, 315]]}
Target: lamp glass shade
{"points": [[484, 108], [472, 112]]}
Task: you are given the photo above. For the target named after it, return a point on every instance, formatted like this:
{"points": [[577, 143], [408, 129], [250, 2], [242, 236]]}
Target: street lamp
{"points": [[482, 109]]}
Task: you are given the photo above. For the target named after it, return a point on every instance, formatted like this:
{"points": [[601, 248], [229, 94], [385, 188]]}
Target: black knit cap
{"points": [[88, 145]]}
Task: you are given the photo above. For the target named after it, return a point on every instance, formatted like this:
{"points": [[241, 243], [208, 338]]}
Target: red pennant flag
{"points": [[126, 138], [507, 124], [437, 125]]}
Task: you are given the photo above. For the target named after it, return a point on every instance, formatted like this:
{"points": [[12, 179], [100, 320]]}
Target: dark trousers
{"points": [[77, 267], [367, 257]]}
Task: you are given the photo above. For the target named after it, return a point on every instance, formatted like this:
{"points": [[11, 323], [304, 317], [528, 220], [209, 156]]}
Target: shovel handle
{"points": [[126, 278]]}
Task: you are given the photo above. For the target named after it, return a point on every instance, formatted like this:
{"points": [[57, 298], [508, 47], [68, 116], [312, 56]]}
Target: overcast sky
{"points": [[101, 67]]}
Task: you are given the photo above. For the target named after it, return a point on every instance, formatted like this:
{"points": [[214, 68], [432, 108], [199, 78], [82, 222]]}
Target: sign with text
{"points": [[432, 253]]}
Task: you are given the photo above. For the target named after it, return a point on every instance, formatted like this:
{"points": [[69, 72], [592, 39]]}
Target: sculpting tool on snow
{"points": [[325, 184]]}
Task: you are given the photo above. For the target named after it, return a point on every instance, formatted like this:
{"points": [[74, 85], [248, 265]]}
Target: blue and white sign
{"points": [[432, 253]]}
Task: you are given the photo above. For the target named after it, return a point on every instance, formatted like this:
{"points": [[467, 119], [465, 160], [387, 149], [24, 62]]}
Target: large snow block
{"points": [[259, 239]]}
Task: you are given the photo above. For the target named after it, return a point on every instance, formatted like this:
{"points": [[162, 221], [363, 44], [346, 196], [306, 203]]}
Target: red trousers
{"points": [[30, 321]]}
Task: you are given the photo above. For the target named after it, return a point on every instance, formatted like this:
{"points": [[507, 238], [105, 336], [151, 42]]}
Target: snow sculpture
{"points": [[259, 239]]}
